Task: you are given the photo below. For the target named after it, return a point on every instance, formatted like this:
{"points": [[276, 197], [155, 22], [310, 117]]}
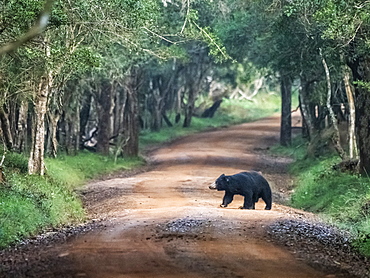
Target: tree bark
{"points": [[53, 119], [286, 116], [189, 107], [5, 127], [131, 116], [361, 72], [353, 151], [105, 110], [36, 163], [21, 134], [305, 108], [336, 136], [84, 118]]}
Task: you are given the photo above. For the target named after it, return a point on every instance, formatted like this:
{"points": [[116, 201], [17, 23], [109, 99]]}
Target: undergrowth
{"points": [[342, 199]]}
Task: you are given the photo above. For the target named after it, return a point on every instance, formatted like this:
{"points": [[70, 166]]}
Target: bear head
{"points": [[221, 183]]}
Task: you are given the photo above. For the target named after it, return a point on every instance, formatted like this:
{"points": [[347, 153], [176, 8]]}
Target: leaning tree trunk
{"points": [[336, 136], [286, 116], [131, 116]]}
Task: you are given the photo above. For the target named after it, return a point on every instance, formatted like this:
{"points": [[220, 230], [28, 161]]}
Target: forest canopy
{"points": [[89, 75]]}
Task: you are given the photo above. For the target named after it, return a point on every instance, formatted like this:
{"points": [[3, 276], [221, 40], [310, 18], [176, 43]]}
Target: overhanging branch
{"points": [[35, 30]]}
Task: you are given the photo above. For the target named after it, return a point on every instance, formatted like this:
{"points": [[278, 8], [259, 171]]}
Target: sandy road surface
{"points": [[167, 223]]}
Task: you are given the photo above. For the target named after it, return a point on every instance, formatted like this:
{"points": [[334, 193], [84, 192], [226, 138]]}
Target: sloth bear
{"points": [[252, 185]]}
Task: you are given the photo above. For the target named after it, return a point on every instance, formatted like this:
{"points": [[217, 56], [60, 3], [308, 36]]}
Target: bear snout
{"points": [[213, 186]]}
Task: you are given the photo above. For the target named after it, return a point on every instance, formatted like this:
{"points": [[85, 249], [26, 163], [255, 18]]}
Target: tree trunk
{"points": [[84, 118], [336, 136], [5, 127], [286, 116], [21, 135], [36, 163], [353, 152], [131, 116], [53, 119], [361, 72], [363, 123], [305, 109], [105, 110], [189, 107]]}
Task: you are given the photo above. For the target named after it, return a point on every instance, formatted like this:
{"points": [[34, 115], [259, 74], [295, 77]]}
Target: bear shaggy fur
{"points": [[252, 185]]}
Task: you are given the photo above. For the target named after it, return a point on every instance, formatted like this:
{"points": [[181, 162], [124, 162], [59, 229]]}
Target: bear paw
{"points": [[246, 208], [223, 206]]}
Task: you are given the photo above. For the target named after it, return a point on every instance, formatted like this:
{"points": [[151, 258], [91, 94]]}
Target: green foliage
{"points": [[15, 161], [19, 14], [363, 85], [341, 198]]}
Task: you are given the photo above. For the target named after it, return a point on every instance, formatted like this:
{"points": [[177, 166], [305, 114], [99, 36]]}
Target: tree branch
{"points": [[37, 29]]}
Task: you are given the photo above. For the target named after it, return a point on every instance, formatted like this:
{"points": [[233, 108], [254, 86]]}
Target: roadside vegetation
{"points": [[33, 203], [339, 197]]}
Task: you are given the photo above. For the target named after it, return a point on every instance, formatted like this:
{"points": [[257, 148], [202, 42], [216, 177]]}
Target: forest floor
{"points": [[165, 222]]}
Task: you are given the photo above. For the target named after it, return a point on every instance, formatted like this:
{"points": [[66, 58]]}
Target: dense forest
{"points": [[78, 75]]}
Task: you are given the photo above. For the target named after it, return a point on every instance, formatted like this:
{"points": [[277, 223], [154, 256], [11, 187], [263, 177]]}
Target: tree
{"points": [[73, 43], [260, 32], [345, 24]]}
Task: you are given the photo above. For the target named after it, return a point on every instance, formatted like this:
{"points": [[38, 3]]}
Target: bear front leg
{"points": [[248, 203], [228, 198]]}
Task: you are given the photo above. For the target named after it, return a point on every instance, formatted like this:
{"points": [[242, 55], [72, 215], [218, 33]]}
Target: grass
{"points": [[340, 198], [74, 171], [30, 204]]}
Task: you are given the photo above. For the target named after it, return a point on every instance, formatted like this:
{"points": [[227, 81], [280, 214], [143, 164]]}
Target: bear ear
{"points": [[227, 179]]}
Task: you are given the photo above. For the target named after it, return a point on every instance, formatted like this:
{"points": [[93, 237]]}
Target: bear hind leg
{"points": [[268, 200], [248, 203]]}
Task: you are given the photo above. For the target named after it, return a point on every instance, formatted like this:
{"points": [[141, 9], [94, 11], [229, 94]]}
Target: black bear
{"points": [[252, 185]]}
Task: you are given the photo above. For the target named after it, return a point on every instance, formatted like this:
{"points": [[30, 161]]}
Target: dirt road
{"points": [[167, 223]]}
